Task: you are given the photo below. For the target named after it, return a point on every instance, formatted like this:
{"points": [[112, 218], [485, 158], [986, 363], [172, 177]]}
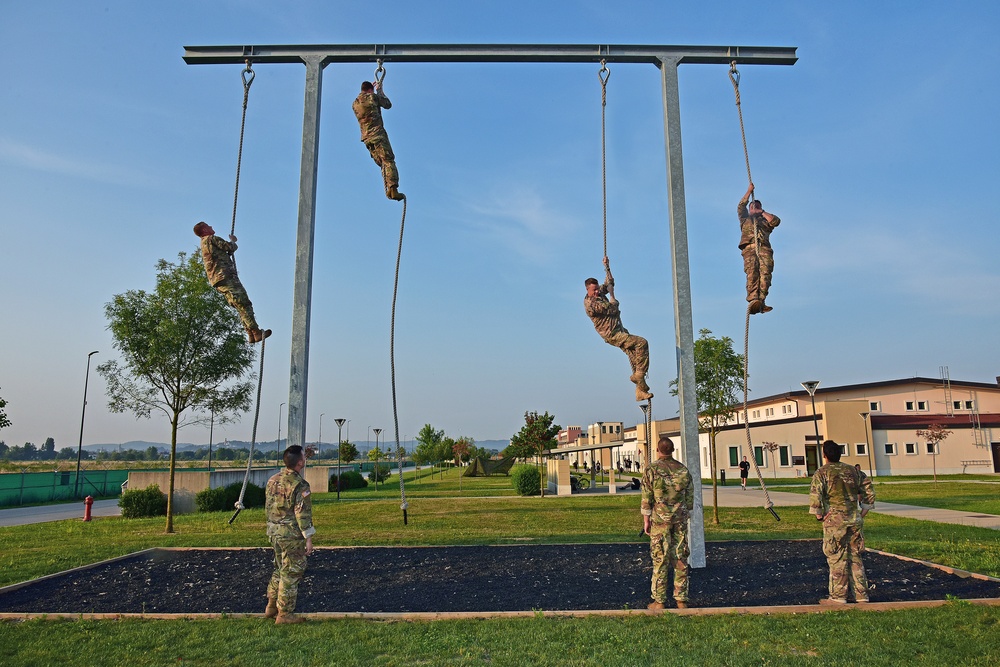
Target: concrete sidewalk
{"points": [[732, 496], [20, 516]]}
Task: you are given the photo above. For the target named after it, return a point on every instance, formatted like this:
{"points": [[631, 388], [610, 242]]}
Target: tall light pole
{"points": [[868, 443], [211, 434], [277, 445], [377, 431], [340, 424], [319, 452], [810, 386], [79, 447]]}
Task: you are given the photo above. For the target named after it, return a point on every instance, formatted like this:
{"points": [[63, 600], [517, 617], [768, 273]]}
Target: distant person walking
{"points": [[667, 500], [744, 472], [288, 507], [840, 497]]}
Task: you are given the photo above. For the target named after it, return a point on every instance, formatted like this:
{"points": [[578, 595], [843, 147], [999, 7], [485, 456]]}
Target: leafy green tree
{"points": [[4, 421], [537, 435], [183, 349], [375, 455], [47, 450], [348, 452], [718, 377], [67, 453], [152, 453], [4, 449], [462, 449], [429, 448]]}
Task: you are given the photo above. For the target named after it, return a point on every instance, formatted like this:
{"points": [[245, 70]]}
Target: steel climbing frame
{"points": [[666, 58]]}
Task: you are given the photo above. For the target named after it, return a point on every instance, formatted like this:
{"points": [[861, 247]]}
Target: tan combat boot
{"points": [[259, 335], [641, 395], [394, 193], [288, 618], [755, 306], [655, 606], [682, 604], [271, 610]]}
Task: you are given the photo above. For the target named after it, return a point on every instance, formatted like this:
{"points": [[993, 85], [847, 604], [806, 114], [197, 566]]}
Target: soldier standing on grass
{"points": [[667, 498], [840, 497], [288, 508]]}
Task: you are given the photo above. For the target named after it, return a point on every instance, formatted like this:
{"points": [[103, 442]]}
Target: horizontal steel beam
{"points": [[564, 53]]}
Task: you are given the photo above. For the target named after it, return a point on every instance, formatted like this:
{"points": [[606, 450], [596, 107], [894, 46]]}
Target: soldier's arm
{"points": [[772, 219], [303, 511], [646, 506], [867, 495], [817, 498], [383, 101], [223, 245]]}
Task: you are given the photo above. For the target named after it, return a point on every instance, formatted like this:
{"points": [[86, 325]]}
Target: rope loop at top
{"points": [[248, 76], [379, 72]]}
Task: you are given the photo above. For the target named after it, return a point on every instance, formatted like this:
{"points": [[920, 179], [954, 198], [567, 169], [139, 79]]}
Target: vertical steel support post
{"points": [[683, 323], [302, 294]]}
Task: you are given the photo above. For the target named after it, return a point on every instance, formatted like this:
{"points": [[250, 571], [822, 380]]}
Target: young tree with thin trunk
{"points": [[182, 349], [934, 434], [718, 376]]}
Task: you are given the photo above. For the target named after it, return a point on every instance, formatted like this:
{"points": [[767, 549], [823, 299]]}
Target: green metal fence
{"points": [[29, 488]]}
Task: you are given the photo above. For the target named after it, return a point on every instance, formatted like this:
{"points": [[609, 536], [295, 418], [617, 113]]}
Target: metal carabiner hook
{"points": [[734, 74], [247, 80], [379, 73], [604, 74]]}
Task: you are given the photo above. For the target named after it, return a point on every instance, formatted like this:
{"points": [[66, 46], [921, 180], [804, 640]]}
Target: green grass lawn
{"points": [[955, 634], [949, 494]]}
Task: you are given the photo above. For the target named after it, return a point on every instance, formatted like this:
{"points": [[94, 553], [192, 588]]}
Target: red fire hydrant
{"points": [[88, 502]]}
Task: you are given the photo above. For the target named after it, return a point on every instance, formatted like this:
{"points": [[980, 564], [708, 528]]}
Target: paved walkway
{"points": [[20, 516], [729, 496]]}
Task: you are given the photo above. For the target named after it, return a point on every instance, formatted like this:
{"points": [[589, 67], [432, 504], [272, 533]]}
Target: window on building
{"points": [[874, 406], [783, 455], [734, 456], [969, 405], [843, 450], [922, 406], [956, 405], [758, 454], [930, 448], [756, 414], [890, 448], [910, 405], [769, 412], [911, 448], [861, 448]]}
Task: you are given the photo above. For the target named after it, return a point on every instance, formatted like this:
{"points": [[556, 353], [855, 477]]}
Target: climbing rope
{"points": [[603, 75], [647, 411], [248, 76], [768, 505], [379, 76], [734, 77], [253, 437]]}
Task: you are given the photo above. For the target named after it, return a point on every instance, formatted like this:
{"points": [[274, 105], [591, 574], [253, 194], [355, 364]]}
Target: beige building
{"points": [[876, 425]]}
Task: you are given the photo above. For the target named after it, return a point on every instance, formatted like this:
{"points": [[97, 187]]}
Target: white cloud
{"points": [[30, 157]]}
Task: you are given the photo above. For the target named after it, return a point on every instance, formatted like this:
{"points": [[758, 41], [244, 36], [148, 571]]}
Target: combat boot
{"points": [[271, 610], [765, 308], [394, 193], [655, 606], [755, 306], [832, 601], [682, 604], [288, 618], [251, 336], [259, 335], [641, 395]]}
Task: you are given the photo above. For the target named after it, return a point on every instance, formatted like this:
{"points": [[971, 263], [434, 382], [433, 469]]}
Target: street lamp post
{"points": [[319, 445], [79, 447], [211, 434], [868, 444], [810, 386], [277, 445], [377, 431], [340, 424]]}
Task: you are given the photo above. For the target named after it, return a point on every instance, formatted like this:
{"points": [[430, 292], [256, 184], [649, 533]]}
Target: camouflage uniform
{"points": [[368, 108], [606, 316], [667, 498], [217, 255], [288, 508], [758, 258], [840, 493]]}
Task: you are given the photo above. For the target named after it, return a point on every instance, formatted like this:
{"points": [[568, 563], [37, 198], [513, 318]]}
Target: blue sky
{"points": [[877, 149]]}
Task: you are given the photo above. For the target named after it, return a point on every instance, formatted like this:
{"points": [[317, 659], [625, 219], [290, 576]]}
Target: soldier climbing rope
{"points": [[757, 260], [256, 334], [604, 312]]}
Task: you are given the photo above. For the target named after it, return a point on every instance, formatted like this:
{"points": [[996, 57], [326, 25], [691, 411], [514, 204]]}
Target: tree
{"points": [[152, 453], [182, 348], [771, 448], [68, 453], [934, 434], [375, 455], [48, 449], [348, 452], [4, 421], [429, 448], [718, 377], [537, 435], [462, 449]]}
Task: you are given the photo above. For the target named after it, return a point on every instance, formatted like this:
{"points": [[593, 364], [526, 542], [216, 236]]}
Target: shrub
{"points": [[139, 503], [351, 480], [526, 479], [224, 498], [382, 471]]}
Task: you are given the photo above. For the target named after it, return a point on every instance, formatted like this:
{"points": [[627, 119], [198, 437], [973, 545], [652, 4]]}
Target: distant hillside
{"points": [[267, 446]]}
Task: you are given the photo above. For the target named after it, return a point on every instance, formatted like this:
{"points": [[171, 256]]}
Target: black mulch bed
{"points": [[472, 578]]}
